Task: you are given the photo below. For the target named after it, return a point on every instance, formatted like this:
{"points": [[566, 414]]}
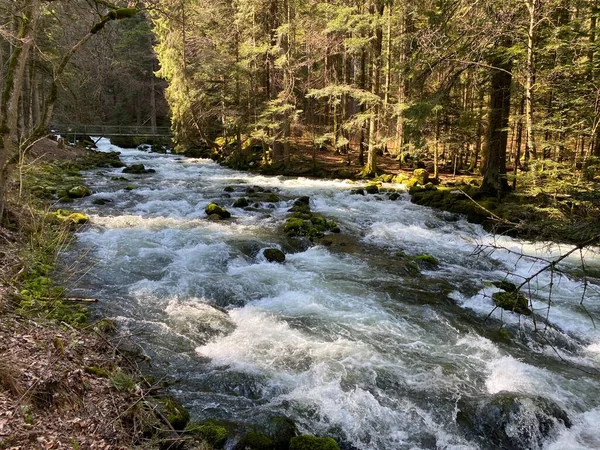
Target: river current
{"points": [[345, 343]]}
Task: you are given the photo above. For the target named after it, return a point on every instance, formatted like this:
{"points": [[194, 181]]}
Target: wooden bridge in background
{"points": [[111, 130]]}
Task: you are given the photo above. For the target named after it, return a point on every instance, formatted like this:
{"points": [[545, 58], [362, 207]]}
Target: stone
{"points": [[510, 420], [421, 175], [79, 191], [372, 189], [241, 203], [512, 301], [214, 208], [135, 169], [274, 255]]}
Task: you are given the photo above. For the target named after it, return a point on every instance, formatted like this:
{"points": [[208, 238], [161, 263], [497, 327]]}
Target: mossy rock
{"points": [[505, 285], [281, 430], [175, 413], [77, 218], [309, 442], [400, 179], [214, 435], [304, 200], [357, 192], [512, 301], [137, 169], [372, 189], [228, 189], [421, 175], [241, 203], [255, 440], [427, 259], [79, 191], [129, 187], [214, 208], [272, 198], [101, 201], [274, 255], [394, 196], [300, 208]]}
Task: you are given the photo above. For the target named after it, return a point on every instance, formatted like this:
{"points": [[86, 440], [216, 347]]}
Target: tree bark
{"points": [[494, 180]]}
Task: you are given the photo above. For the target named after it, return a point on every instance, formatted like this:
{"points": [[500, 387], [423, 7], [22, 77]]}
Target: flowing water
{"points": [[341, 339]]}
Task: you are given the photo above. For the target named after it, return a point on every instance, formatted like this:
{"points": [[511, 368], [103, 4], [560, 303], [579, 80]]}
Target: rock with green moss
{"points": [[255, 440], [505, 285], [214, 208], [357, 192], [421, 175], [175, 413], [214, 435], [512, 301], [77, 218], [309, 442], [427, 259], [281, 430], [79, 191], [229, 189], [274, 255], [372, 189], [241, 203], [272, 198], [394, 196], [137, 169], [304, 200]]}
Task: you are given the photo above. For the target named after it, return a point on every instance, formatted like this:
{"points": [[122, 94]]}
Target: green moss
{"points": [[228, 189], [428, 259], [274, 255], [214, 208], [421, 176], [308, 442], [372, 189], [79, 191], [214, 435], [97, 371], [272, 198], [175, 413], [241, 203], [512, 301], [129, 187], [122, 382], [255, 440]]}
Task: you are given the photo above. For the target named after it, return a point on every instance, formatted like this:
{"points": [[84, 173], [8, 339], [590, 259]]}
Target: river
{"points": [[341, 339]]}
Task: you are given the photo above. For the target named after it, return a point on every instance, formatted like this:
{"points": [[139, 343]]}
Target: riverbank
{"points": [[550, 202], [65, 382]]}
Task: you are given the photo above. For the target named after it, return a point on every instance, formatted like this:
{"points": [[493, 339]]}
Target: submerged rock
{"points": [[427, 259], [137, 169], [512, 301], [274, 255], [214, 208], [241, 203], [79, 191], [512, 421]]}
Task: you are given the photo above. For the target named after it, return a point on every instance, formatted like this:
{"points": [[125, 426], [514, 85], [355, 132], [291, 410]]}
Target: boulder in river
{"points": [[274, 255], [241, 202], [214, 208], [79, 191], [137, 169], [512, 421], [512, 301]]}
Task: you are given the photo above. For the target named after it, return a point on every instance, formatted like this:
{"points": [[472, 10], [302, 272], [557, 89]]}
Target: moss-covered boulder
{"points": [[255, 440], [372, 189], [281, 430], [511, 421], [274, 255], [394, 196], [77, 218], [357, 192], [512, 301], [214, 208], [241, 203], [309, 442], [214, 435], [272, 198], [137, 169], [427, 259], [421, 175], [304, 200], [79, 191], [229, 189]]}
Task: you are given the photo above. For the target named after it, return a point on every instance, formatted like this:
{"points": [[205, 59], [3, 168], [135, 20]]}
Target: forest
{"points": [[374, 225]]}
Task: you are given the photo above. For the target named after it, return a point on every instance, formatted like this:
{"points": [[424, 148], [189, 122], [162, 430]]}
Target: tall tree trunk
{"points": [[533, 9], [494, 179], [370, 168]]}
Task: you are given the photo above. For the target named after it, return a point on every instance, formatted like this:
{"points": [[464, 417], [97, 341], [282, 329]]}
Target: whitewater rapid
{"points": [[344, 343]]}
